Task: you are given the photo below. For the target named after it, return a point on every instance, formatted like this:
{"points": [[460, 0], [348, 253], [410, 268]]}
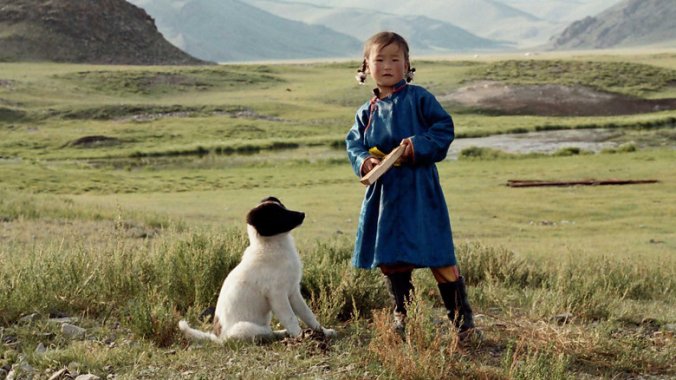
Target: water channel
{"points": [[593, 140]]}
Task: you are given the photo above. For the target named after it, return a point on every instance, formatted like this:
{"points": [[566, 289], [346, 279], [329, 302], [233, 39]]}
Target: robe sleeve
{"points": [[432, 145], [357, 152]]}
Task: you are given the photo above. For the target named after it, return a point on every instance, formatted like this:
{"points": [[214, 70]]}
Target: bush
{"points": [[569, 151], [479, 153], [336, 290], [623, 148]]}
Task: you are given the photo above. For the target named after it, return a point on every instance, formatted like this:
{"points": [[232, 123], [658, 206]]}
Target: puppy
{"points": [[266, 281]]}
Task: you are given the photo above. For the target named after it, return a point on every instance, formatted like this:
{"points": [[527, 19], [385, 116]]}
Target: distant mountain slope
{"points": [[424, 34], [488, 19], [230, 30], [102, 31], [627, 24], [561, 10]]}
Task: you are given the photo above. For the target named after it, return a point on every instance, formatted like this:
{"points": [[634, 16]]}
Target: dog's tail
{"points": [[191, 333]]}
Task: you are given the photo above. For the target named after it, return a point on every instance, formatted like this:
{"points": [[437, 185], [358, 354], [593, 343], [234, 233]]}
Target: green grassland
{"points": [[123, 192]]}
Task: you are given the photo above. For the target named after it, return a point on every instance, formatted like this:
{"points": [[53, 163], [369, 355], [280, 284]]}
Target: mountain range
{"points": [[163, 31], [232, 30], [236, 30], [630, 23]]}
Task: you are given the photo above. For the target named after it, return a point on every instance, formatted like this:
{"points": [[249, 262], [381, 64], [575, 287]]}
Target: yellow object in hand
{"points": [[377, 153]]}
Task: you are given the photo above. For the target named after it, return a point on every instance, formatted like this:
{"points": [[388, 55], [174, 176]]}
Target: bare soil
{"points": [[94, 141], [551, 100]]}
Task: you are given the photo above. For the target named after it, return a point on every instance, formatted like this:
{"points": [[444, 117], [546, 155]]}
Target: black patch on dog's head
{"points": [[271, 217]]}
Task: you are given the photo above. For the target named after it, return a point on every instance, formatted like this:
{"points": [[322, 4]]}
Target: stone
{"points": [[40, 349], [563, 318], [72, 331], [88, 376], [61, 374], [63, 320], [28, 319]]}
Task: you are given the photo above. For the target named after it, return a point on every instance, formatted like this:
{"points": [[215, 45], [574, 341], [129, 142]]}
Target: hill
{"points": [[561, 10], [630, 23], [230, 30], [489, 19], [103, 31], [425, 35]]}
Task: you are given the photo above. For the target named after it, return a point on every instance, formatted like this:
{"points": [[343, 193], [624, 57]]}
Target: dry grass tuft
{"points": [[428, 349]]}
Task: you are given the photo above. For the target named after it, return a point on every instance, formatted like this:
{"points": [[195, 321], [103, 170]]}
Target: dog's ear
{"points": [[272, 218]]}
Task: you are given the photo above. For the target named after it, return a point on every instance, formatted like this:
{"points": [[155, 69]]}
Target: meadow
{"points": [[123, 191]]}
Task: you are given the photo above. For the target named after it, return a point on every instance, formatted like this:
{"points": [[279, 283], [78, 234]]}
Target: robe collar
{"points": [[397, 87], [372, 108]]}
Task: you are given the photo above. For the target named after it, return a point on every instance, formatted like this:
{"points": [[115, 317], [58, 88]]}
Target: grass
{"points": [[623, 77], [136, 230], [123, 291]]}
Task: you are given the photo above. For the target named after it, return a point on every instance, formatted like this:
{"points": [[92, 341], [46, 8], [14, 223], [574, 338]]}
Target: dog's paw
{"points": [[183, 325], [329, 333]]}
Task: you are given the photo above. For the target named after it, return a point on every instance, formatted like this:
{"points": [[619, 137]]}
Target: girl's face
{"points": [[387, 66]]}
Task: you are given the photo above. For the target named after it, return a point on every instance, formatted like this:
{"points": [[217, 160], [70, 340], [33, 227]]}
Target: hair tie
{"points": [[410, 75], [360, 77]]}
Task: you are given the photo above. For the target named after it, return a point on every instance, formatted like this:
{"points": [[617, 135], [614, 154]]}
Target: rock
{"points": [[63, 320], [10, 341], [21, 371], [61, 374], [27, 368], [88, 376], [562, 318], [72, 331], [30, 318], [40, 349]]}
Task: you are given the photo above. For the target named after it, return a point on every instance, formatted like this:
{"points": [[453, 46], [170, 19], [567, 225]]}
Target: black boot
{"points": [[401, 288], [454, 295]]}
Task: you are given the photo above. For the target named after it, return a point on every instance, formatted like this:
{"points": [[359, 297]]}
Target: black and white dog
{"points": [[266, 281]]}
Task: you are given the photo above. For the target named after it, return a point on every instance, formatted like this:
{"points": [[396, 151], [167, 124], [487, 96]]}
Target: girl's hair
{"points": [[381, 40]]}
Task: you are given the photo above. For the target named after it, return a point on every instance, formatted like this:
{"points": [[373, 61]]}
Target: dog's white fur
{"points": [[266, 281]]}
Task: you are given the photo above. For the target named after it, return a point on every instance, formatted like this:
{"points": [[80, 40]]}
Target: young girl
{"points": [[404, 222]]}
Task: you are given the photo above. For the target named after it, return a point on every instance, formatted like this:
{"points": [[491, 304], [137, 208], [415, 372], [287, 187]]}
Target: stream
{"points": [[593, 140]]}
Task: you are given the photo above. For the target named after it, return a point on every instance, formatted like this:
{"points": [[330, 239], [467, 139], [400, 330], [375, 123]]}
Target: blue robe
{"points": [[403, 218]]}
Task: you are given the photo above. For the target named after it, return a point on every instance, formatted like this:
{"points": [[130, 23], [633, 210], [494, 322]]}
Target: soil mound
{"points": [[100, 32], [94, 141], [551, 100]]}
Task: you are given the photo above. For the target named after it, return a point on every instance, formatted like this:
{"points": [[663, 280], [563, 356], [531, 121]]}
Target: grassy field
{"points": [[123, 192]]}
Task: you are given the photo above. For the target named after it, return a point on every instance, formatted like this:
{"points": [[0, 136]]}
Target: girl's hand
{"points": [[407, 156], [368, 165]]}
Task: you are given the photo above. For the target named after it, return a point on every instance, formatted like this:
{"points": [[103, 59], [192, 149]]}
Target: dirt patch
{"points": [[94, 141], [551, 100], [10, 115], [6, 83]]}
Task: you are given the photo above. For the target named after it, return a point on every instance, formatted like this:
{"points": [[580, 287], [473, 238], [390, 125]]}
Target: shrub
{"points": [[336, 290], [568, 151], [479, 153], [623, 148]]}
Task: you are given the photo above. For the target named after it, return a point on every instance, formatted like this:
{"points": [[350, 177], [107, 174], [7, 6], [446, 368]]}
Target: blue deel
{"points": [[404, 218]]}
